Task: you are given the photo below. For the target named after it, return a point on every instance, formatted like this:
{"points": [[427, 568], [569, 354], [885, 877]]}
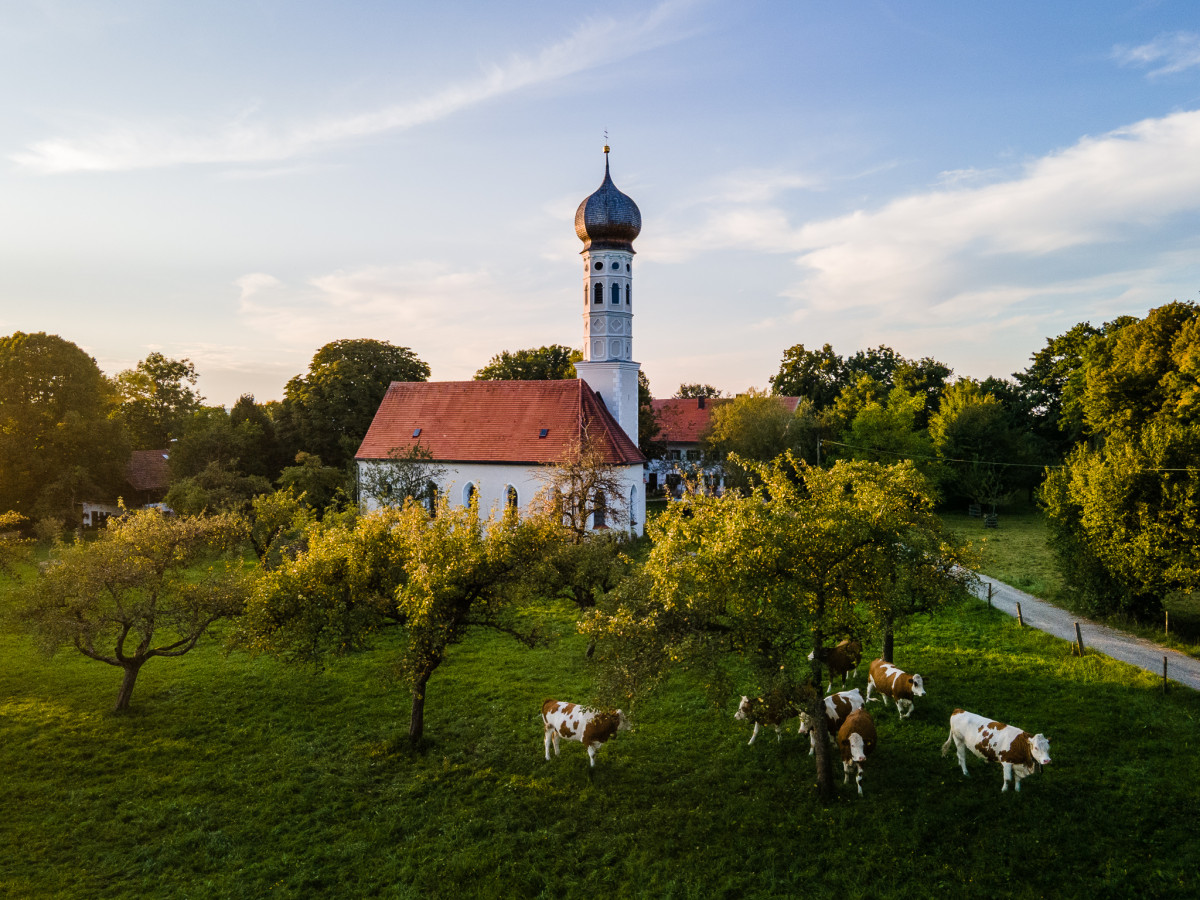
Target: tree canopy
{"points": [[57, 442], [693, 391], [157, 399], [328, 411], [554, 362], [759, 427]]}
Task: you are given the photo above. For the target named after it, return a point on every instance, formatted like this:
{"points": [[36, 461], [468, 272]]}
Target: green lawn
{"points": [[234, 777]]}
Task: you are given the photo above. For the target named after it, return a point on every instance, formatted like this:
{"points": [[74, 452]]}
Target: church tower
{"points": [[607, 222]]}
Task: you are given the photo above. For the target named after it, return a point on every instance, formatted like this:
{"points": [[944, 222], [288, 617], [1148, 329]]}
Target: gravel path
{"points": [[1117, 644]]}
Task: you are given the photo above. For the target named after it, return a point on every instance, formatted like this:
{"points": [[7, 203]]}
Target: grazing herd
{"points": [[849, 724]]}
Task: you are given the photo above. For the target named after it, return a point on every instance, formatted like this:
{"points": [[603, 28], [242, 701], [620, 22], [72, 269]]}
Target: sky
{"points": [[239, 183]]}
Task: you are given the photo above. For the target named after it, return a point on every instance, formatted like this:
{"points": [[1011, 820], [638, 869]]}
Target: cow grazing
{"points": [[837, 707], [591, 727], [842, 660], [1017, 751], [895, 683], [856, 740], [772, 709]]}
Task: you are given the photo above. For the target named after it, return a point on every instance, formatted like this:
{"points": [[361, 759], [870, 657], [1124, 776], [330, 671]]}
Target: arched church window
{"points": [[468, 494], [510, 497], [598, 512], [616, 293], [431, 498], [597, 293], [628, 294]]}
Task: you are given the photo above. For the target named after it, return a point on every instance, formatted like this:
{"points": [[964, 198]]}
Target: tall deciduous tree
{"points": [[328, 411], [149, 586], [818, 375], [649, 427], [810, 555], [157, 399], [758, 427], [57, 442], [550, 363]]}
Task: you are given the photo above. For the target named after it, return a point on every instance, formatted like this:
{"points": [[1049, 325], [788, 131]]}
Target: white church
{"points": [[493, 440]]}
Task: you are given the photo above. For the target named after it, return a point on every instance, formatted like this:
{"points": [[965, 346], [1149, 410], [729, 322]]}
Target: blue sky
{"points": [[241, 182]]}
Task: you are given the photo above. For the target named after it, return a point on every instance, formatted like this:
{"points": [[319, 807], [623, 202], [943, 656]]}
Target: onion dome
{"points": [[608, 220]]}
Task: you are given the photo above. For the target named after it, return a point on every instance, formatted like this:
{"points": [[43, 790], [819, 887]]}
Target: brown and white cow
{"points": [[841, 659], [1017, 751], [856, 740], [772, 710], [895, 683], [837, 707], [591, 727]]}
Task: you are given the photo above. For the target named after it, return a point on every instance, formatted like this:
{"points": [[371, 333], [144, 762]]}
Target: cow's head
{"points": [[1039, 746], [743, 709], [623, 723], [858, 750], [918, 686], [805, 723]]}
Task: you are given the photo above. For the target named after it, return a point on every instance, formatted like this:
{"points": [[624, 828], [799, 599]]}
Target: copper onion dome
{"points": [[608, 220]]}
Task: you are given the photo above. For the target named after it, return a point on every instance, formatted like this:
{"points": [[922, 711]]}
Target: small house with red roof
{"points": [[497, 440]]}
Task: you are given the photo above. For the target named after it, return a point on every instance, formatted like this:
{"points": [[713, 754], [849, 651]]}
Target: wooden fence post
{"points": [[989, 595], [1020, 620], [1166, 623], [1079, 638]]}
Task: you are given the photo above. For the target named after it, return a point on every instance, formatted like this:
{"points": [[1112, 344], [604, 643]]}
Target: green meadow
{"points": [[241, 777]]}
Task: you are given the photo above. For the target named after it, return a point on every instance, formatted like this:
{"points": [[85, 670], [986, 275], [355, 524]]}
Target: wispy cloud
{"points": [[136, 145], [1165, 55]]}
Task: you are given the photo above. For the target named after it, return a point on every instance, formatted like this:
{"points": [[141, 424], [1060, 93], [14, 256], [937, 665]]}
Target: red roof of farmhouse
{"points": [[495, 422], [147, 470], [682, 421]]}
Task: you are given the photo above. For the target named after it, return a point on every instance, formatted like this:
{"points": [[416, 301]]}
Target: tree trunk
{"points": [[821, 754], [416, 722], [127, 682], [888, 644]]}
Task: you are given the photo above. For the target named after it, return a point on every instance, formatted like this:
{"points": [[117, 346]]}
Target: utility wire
{"points": [[986, 462]]}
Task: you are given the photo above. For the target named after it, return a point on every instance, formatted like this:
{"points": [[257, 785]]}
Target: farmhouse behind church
{"points": [[494, 439]]}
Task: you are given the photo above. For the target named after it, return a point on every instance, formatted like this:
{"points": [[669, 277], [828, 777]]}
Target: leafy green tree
{"points": [[157, 399], [889, 432], [581, 487], [808, 556], [319, 487], [149, 586], [218, 487], [13, 547], [925, 377], [57, 441], [279, 524], [649, 427], [260, 447], [328, 411], [693, 391], [1125, 519], [840, 415], [440, 577], [817, 375], [551, 363], [758, 427]]}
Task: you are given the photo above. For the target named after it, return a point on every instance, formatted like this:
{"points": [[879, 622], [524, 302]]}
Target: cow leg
{"points": [[812, 743], [779, 734], [846, 771], [962, 755], [753, 735], [1007, 769], [555, 736], [870, 685], [905, 710], [858, 778], [592, 748], [547, 743]]}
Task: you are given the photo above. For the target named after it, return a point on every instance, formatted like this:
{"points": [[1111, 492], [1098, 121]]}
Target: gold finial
{"points": [[606, 141]]}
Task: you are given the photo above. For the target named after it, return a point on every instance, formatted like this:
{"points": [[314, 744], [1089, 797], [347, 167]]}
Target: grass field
{"points": [[238, 777]]}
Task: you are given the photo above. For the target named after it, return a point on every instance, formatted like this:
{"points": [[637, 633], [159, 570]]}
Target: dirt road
{"points": [[1100, 638]]}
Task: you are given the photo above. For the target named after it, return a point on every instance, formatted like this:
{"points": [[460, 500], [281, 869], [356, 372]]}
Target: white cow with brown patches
{"points": [[837, 707], [856, 740], [591, 727], [892, 682], [1017, 751]]}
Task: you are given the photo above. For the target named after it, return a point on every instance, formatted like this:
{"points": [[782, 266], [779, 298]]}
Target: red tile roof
{"points": [[682, 421], [147, 470], [494, 421]]}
